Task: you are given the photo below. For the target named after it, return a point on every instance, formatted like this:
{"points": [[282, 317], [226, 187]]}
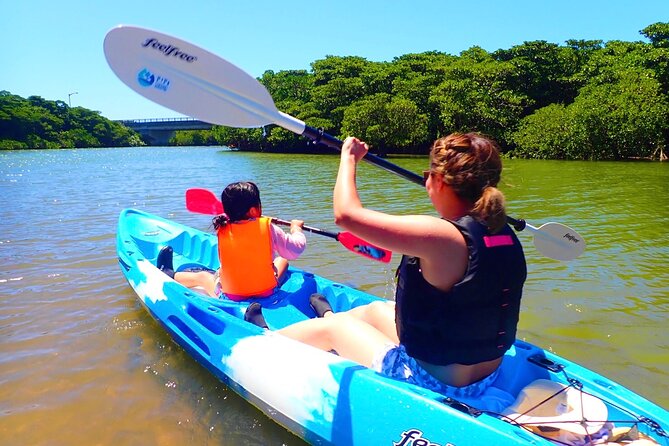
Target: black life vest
{"points": [[476, 319]]}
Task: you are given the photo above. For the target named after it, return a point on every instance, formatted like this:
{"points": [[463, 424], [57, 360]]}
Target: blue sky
{"points": [[52, 48]]}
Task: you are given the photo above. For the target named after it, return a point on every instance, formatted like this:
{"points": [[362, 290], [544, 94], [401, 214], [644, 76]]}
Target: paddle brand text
{"points": [[169, 50], [414, 437], [571, 238]]}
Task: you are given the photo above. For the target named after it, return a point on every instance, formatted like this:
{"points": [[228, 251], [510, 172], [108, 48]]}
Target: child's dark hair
{"points": [[237, 198]]}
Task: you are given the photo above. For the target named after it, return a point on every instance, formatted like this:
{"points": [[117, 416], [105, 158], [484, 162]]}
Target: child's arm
{"points": [[289, 246]]}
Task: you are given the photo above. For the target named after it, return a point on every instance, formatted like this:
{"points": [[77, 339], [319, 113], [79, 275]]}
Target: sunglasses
{"points": [[426, 174]]}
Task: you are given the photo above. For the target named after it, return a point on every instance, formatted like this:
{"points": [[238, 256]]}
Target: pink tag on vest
{"points": [[493, 241]]}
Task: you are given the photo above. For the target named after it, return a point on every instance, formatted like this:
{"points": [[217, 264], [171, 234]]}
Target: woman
{"points": [[459, 282], [253, 252]]}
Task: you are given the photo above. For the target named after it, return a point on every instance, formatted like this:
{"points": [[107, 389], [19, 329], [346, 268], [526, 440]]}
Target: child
{"points": [[253, 252]]}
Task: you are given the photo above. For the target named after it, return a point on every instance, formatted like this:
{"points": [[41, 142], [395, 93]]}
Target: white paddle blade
{"points": [[187, 78], [558, 241]]}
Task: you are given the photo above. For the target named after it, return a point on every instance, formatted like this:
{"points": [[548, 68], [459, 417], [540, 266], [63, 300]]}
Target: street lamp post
{"points": [[69, 103]]}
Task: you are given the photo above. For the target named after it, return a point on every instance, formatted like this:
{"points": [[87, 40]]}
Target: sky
{"points": [[53, 48]]}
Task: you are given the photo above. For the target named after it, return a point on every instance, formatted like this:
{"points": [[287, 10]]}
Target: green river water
{"points": [[82, 363]]}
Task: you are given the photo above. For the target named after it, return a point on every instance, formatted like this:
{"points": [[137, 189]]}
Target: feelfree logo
{"points": [[571, 238], [414, 437], [146, 78], [168, 50]]}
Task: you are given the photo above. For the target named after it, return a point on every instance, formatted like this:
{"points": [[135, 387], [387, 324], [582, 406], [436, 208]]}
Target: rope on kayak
{"points": [[634, 421], [652, 424], [556, 434]]}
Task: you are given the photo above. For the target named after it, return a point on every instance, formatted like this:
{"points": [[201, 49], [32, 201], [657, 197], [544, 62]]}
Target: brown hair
{"points": [[470, 164], [237, 199]]}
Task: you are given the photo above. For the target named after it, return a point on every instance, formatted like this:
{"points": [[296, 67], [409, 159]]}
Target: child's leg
{"points": [[202, 279], [280, 267]]}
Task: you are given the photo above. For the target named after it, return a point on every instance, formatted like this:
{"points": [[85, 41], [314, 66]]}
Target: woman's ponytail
{"points": [[490, 209], [471, 165]]}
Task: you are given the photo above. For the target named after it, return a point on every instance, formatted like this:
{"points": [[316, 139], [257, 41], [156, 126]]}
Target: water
{"points": [[82, 363]]}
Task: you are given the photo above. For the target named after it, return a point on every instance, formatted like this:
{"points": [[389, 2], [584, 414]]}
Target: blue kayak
{"points": [[328, 400]]}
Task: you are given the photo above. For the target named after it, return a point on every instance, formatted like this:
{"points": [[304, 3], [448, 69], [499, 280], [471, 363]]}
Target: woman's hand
{"points": [[346, 202], [354, 147]]}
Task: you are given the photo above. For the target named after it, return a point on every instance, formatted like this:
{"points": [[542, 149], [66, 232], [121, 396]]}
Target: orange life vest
{"points": [[245, 252]]}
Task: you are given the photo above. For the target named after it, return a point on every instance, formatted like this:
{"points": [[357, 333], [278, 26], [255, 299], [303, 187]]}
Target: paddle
{"points": [[204, 201], [197, 83]]}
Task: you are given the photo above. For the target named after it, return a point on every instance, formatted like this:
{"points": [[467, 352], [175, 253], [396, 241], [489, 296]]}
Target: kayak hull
{"points": [[317, 395]]}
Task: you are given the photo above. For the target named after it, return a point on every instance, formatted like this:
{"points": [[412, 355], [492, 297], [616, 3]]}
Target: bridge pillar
{"points": [[155, 137]]}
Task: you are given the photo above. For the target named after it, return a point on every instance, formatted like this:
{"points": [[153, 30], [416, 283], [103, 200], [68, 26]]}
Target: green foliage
{"points": [[194, 138], [543, 71], [291, 85], [476, 94], [581, 100], [37, 123], [658, 34], [548, 133], [385, 121], [620, 112], [242, 139], [614, 120]]}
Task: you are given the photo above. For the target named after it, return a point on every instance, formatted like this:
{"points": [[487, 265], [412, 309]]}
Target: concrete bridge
{"points": [[158, 132]]}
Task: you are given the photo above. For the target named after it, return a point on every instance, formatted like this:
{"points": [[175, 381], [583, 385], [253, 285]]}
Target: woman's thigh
{"points": [[380, 315], [349, 336]]}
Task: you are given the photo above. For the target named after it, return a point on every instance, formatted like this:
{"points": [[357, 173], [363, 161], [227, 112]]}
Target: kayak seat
{"points": [[202, 250], [194, 268]]}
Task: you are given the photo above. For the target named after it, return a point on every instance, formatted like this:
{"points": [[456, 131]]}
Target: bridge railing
{"points": [[147, 120]]}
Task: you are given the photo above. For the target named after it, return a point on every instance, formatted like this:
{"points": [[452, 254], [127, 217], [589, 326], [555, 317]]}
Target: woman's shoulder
{"points": [[437, 238]]}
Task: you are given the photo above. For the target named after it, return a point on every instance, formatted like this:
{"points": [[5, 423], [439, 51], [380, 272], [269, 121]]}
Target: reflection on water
{"points": [[82, 362]]}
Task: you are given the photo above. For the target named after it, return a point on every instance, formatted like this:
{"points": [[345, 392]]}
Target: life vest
{"points": [[245, 252], [476, 319]]}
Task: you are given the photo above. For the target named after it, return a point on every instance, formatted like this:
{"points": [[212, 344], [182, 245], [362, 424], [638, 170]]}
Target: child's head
{"points": [[238, 199]]}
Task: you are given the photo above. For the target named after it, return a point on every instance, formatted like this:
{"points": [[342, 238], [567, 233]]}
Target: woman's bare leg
{"points": [[380, 315], [350, 337]]}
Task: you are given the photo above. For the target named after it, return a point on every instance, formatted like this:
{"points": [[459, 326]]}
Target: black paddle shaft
{"points": [[320, 137], [307, 228]]}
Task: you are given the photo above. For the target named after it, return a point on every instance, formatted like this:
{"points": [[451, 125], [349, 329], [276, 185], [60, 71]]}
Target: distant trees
{"points": [[386, 122], [621, 109], [37, 123], [585, 99]]}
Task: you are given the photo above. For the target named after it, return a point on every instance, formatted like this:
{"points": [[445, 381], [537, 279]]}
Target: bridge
{"points": [[158, 132]]}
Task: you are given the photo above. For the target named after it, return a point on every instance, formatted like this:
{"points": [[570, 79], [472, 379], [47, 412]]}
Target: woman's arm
{"points": [[417, 235]]}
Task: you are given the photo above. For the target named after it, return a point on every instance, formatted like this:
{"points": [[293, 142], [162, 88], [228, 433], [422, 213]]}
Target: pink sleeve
{"points": [[287, 245]]}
